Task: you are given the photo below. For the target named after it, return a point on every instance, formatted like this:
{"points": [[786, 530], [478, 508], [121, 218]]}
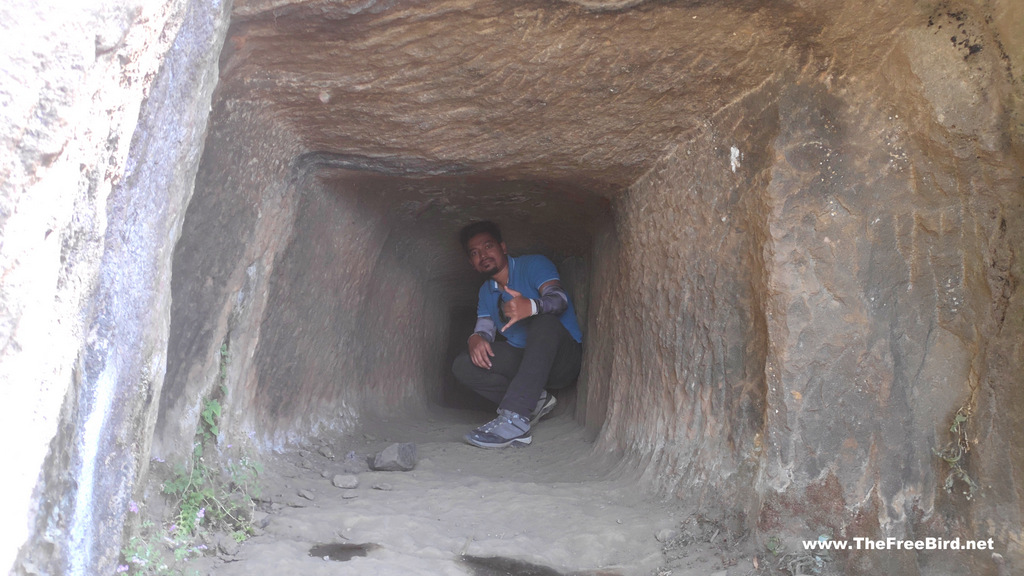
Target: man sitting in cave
{"points": [[538, 347]]}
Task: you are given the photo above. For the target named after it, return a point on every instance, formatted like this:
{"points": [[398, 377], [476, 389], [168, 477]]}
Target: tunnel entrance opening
{"points": [[355, 297], [345, 295], [341, 294], [375, 283]]}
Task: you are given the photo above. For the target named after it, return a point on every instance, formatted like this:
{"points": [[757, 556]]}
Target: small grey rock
{"points": [[666, 535], [227, 545], [356, 466], [348, 495], [326, 452], [396, 457], [304, 453], [307, 494], [260, 519], [346, 481], [383, 486]]}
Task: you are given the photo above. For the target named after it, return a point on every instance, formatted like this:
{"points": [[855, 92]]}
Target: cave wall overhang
{"points": [[105, 109]]}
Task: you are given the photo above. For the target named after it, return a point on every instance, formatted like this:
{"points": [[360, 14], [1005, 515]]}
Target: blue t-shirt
{"points": [[526, 274]]}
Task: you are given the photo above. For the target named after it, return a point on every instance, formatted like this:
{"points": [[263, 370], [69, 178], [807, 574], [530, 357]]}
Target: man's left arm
{"points": [[553, 299]]}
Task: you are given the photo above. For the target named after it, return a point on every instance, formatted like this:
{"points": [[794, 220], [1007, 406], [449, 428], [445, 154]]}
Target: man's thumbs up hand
{"points": [[517, 308]]}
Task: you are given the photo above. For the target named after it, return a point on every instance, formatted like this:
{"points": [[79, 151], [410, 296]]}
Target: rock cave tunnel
{"points": [[790, 231]]}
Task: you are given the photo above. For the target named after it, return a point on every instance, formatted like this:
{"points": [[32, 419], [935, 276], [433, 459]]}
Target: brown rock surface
{"points": [[791, 230]]}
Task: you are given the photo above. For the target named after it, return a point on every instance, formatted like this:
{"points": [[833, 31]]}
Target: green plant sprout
{"points": [[223, 373], [954, 452], [210, 417]]}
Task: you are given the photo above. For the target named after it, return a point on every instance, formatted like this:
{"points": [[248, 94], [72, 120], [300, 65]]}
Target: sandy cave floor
{"points": [[546, 509]]}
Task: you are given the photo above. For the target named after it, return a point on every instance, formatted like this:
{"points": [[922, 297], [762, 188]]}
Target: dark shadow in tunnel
{"points": [[340, 552], [499, 566], [454, 395]]}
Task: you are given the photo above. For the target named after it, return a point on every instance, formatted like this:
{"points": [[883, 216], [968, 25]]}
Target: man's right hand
{"points": [[480, 352]]}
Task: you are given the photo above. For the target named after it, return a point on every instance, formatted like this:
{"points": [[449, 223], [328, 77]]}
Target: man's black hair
{"points": [[483, 227]]}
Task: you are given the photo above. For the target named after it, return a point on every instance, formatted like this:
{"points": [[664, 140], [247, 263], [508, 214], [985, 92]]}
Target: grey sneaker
{"points": [[544, 406], [508, 428]]}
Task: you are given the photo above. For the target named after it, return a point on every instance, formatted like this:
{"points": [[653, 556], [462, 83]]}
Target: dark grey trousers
{"points": [[517, 376]]}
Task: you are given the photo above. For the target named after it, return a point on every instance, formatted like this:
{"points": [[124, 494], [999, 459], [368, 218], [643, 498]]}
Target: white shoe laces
{"points": [[504, 417]]}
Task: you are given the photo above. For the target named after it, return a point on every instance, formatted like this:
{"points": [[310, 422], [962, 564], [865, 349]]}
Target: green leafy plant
{"points": [[147, 552], [953, 453], [142, 555], [207, 499], [210, 415]]}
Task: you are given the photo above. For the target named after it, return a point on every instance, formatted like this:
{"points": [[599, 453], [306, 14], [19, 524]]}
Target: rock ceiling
{"points": [[518, 90]]}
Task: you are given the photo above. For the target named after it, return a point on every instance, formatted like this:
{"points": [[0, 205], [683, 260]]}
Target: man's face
{"points": [[486, 254]]}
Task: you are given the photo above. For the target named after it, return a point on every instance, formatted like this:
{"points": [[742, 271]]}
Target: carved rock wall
{"points": [[886, 273], [222, 266], [874, 340], [841, 297], [678, 361]]}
